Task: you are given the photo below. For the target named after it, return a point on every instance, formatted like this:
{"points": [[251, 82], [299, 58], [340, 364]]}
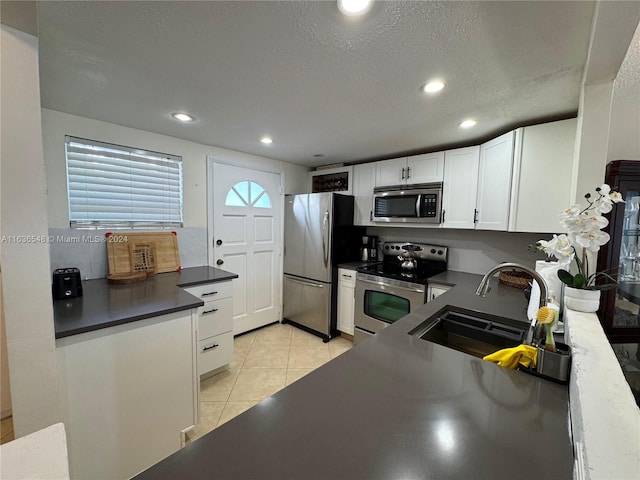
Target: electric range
{"points": [[387, 291]]}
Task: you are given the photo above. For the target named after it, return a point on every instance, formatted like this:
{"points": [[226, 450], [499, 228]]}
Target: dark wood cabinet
{"points": [[619, 310]]}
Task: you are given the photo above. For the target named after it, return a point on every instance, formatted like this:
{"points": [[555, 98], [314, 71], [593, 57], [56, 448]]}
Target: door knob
{"points": [[219, 262], [218, 242]]}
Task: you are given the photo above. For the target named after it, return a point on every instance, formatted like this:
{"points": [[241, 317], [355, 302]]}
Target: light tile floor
{"points": [[265, 361]]}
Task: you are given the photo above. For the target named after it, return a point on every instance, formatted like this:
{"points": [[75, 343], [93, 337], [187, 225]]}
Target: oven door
{"points": [[381, 301]]}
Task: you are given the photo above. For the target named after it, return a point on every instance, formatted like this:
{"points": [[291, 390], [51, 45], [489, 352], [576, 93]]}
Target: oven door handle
{"points": [[382, 284]]}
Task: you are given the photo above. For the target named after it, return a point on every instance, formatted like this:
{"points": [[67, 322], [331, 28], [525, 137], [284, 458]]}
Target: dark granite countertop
{"points": [[103, 305], [396, 406]]}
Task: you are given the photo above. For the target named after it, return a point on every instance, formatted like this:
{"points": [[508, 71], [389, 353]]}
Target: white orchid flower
{"points": [[604, 204], [592, 240], [583, 230], [616, 197], [584, 222], [560, 247], [570, 212]]}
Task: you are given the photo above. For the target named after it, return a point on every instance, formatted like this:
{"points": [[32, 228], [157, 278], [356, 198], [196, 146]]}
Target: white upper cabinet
{"points": [[494, 183], [543, 168], [426, 168], [391, 172], [460, 187], [364, 176]]}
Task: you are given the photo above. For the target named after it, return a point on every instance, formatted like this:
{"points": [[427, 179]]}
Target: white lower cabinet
{"points": [[346, 300], [127, 393], [215, 325], [215, 352], [435, 291]]}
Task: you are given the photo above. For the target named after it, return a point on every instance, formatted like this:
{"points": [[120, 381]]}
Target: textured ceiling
{"points": [[316, 81], [628, 79]]}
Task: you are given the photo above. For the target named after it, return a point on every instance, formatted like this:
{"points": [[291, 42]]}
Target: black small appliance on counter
{"points": [[66, 283]]}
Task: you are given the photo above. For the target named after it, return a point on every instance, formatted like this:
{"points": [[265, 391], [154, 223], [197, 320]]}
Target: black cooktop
{"points": [[430, 260]]}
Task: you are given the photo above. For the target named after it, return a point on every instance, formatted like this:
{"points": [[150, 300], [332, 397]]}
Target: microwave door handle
{"points": [[419, 197]]}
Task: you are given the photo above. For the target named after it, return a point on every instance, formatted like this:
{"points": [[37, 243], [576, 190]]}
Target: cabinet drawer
{"points": [[215, 317], [211, 291], [347, 277], [215, 352]]}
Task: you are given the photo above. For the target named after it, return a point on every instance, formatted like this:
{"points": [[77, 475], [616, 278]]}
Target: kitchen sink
{"points": [[471, 332]]}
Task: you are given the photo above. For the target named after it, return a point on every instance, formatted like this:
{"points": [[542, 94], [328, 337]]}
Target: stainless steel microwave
{"points": [[408, 203]]}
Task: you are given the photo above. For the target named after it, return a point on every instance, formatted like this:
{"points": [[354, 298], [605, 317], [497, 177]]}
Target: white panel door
{"points": [[364, 177], [391, 172], [425, 168], [494, 183], [247, 240], [460, 187]]}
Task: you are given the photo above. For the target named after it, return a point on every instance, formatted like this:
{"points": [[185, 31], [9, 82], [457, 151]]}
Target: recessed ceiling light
{"points": [[183, 117], [266, 140], [353, 8], [433, 87], [467, 123]]}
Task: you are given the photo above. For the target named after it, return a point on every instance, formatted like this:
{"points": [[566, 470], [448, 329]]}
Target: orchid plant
{"points": [[584, 230]]}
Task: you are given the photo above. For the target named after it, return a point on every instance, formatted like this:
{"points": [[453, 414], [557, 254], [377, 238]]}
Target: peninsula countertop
{"points": [[103, 305], [396, 406]]}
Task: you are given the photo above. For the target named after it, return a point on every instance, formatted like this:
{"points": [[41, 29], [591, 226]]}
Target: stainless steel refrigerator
{"points": [[318, 234]]}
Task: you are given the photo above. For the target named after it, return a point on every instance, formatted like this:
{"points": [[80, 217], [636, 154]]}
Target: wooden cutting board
{"points": [[119, 244]]}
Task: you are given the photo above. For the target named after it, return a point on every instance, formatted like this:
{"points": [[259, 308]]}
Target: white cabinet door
{"points": [[364, 177], [435, 291], [494, 183], [346, 300], [460, 187], [544, 162], [391, 172], [427, 168]]}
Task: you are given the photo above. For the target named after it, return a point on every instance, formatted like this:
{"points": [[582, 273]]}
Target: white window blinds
{"points": [[114, 186]]}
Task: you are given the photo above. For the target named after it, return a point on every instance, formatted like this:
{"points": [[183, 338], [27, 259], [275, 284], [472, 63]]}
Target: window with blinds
{"points": [[121, 187]]}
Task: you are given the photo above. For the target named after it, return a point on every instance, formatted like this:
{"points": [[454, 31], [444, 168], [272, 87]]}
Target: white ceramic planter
{"points": [[580, 300]]}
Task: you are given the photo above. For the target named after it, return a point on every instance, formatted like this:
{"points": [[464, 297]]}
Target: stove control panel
{"points": [[436, 253]]}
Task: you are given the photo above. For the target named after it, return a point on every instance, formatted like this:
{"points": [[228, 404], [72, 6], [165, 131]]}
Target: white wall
{"points": [[26, 285], [592, 139], [91, 258], [55, 125], [624, 135]]}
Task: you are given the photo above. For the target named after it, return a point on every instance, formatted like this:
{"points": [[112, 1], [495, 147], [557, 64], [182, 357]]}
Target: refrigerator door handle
{"points": [[325, 238], [309, 284]]}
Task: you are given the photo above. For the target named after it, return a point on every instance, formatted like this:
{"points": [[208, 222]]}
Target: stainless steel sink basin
{"points": [[471, 332]]}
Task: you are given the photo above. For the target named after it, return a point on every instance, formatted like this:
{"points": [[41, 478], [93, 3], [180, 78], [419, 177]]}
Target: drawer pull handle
{"points": [[206, 294], [347, 276], [210, 311], [210, 347]]}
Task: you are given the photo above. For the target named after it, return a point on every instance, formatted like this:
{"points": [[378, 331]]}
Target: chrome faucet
{"points": [[483, 288]]}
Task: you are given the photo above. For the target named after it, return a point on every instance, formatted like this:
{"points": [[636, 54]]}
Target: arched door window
{"points": [[247, 194]]}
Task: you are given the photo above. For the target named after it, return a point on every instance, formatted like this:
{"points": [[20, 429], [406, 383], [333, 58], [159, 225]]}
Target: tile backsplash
{"points": [[87, 250]]}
